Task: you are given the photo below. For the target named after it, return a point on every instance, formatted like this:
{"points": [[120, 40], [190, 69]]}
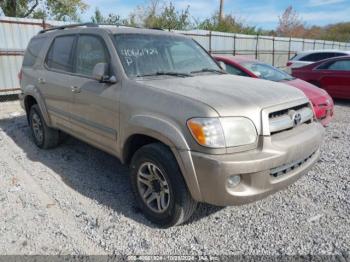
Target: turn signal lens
{"points": [[207, 132]]}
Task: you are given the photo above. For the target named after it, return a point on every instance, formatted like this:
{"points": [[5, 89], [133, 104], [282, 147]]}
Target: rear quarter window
{"points": [[32, 52]]}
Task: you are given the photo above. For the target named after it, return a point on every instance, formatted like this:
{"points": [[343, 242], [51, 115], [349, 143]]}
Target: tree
{"points": [[290, 24], [167, 16], [54, 9], [15, 8], [115, 19], [228, 23]]}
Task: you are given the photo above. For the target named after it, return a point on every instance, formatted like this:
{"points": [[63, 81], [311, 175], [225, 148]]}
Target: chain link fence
{"points": [[275, 51]]}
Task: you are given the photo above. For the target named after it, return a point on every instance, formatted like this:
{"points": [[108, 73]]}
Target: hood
{"points": [[310, 90], [229, 95]]}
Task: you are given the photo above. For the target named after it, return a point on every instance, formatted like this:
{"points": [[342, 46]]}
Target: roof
{"points": [[324, 51]]}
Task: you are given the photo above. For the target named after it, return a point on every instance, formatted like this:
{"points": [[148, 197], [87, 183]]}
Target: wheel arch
{"points": [[144, 130], [33, 96]]}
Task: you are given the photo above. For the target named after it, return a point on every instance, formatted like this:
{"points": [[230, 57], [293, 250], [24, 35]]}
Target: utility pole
{"points": [[221, 12]]}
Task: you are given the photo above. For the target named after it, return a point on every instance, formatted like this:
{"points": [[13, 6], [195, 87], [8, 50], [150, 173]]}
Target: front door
{"points": [[95, 110]]}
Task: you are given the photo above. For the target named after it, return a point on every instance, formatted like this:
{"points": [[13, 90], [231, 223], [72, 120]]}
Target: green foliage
{"points": [[228, 24], [18, 8], [63, 10], [98, 18], [336, 32], [291, 25], [166, 16], [169, 18]]}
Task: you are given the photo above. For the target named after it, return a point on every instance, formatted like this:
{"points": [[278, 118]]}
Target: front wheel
{"points": [[159, 187]]}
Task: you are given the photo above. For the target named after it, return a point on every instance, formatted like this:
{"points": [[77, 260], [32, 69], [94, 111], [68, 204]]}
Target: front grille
{"points": [[290, 117], [285, 111], [286, 168]]}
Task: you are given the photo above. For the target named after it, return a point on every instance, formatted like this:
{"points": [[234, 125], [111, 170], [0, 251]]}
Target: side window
{"points": [[317, 57], [234, 71], [312, 57], [342, 65], [32, 51], [339, 54], [90, 51], [60, 54]]}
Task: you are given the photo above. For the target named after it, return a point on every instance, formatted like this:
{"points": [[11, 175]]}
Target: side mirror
{"points": [[100, 73], [222, 65]]}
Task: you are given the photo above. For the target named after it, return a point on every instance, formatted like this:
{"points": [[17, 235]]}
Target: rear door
{"points": [[55, 80], [335, 78], [95, 112]]}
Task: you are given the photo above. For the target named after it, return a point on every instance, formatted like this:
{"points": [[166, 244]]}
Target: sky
{"points": [[260, 13]]}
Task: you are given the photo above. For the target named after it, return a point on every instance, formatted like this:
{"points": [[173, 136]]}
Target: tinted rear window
{"points": [[318, 56], [32, 51], [60, 54]]}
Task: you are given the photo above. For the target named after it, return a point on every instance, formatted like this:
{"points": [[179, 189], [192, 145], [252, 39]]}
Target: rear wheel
{"points": [[159, 187], [44, 136]]}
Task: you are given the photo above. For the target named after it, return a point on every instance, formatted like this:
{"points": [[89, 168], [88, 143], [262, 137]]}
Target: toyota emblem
{"points": [[296, 119]]}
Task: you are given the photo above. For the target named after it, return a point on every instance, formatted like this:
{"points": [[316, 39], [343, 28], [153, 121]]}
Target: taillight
{"points": [[289, 63], [20, 76]]}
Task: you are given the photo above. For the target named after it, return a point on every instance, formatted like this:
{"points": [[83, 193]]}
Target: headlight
{"points": [[222, 132]]}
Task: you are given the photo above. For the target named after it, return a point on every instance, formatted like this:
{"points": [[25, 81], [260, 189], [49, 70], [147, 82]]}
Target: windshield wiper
{"points": [[209, 70], [163, 73]]}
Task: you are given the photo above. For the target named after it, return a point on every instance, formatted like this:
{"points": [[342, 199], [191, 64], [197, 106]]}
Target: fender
{"points": [[168, 133], [33, 91]]}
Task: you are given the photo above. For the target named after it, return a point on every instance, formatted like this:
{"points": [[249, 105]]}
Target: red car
{"points": [[332, 75], [322, 103]]}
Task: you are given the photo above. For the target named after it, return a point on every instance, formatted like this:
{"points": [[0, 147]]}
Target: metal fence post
{"points": [[234, 44], [289, 47], [44, 24], [314, 44], [256, 47], [303, 44], [273, 51], [210, 35]]}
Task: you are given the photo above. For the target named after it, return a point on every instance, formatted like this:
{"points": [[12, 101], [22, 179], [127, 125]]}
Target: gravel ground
{"points": [[77, 200]]}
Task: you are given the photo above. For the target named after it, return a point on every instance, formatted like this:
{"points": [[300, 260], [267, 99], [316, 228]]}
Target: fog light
{"points": [[233, 181]]}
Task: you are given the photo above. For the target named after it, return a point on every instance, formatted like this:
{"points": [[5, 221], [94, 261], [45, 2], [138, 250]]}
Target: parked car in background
{"points": [[189, 131], [332, 75], [322, 103], [308, 57]]}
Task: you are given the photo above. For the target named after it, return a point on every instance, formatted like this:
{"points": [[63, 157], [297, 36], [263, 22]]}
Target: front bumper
{"points": [[295, 150]]}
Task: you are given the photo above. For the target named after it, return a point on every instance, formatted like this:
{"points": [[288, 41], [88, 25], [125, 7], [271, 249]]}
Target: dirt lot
{"points": [[77, 200]]}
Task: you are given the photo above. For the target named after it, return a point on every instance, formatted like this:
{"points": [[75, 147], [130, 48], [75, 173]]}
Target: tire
{"points": [[178, 205], [44, 136]]}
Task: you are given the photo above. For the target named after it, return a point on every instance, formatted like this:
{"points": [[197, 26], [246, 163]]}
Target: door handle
{"points": [[75, 89], [41, 80]]}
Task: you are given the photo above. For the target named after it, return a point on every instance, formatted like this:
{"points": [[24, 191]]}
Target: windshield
{"points": [[267, 72], [154, 55]]}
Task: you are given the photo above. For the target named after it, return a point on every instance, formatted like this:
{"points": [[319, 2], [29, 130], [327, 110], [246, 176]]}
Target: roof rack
{"points": [[68, 26], [90, 24]]}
